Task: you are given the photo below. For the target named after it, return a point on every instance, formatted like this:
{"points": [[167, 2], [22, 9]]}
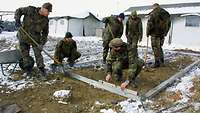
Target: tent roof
{"points": [[180, 8], [82, 15]]}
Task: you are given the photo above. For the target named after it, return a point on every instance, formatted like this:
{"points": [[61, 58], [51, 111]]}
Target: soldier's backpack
{"points": [[164, 21]]}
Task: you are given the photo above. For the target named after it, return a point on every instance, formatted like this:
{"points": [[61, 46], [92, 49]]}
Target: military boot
{"points": [[71, 63], [162, 61], [53, 68], [42, 74], [27, 73], [104, 60], [157, 64]]}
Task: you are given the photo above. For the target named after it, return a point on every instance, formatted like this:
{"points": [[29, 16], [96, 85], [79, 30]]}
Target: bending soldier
{"points": [[117, 60], [35, 23]]}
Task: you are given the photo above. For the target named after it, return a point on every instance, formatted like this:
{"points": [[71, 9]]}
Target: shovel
{"points": [[62, 66]]}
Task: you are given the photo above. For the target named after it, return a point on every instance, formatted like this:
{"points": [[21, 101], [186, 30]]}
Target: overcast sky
{"points": [[100, 7]]}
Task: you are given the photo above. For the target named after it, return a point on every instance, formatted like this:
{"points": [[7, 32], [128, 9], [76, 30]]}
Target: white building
{"points": [[79, 25], [185, 28]]}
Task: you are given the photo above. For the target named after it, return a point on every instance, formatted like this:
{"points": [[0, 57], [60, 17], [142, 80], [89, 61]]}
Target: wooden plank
{"points": [[106, 86], [171, 80]]}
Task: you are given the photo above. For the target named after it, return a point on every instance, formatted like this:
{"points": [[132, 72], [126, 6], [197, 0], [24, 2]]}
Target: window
{"points": [[62, 22], [192, 21]]}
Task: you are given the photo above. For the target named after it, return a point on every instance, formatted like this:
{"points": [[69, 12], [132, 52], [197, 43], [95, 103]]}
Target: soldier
{"points": [[113, 29], [134, 69], [35, 23], [67, 48], [134, 32], [117, 60], [158, 26]]}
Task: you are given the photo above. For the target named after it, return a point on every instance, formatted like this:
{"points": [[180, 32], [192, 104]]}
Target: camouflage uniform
{"points": [[157, 27], [37, 27], [113, 28], [118, 60], [133, 32], [67, 49], [135, 66]]}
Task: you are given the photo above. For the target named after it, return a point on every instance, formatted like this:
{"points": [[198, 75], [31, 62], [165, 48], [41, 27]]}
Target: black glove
{"points": [[18, 24]]}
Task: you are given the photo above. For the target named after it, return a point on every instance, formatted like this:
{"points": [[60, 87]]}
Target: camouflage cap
{"points": [[116, 42], [68, 35], [134, 13], [156, 5], [47, 6]]}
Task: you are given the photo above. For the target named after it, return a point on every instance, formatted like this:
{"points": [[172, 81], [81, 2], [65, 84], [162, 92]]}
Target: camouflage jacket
{"points": [[133, 28], [120, 56], [66, 47], [114, 25], [159, 22], [33, 23]]}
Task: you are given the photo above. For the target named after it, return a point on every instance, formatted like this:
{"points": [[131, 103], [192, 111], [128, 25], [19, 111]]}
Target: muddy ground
{"points": [[39, 98]]}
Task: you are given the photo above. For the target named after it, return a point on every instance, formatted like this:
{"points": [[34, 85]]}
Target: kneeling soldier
{"points": [[67, 48], [118, 59]]}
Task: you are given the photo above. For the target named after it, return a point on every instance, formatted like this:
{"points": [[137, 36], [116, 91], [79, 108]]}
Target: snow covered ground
{"points": [[91, 50]]}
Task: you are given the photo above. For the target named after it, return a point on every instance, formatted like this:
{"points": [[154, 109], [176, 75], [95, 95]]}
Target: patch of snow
{"points": [[185, 85], [107, 111], [50, 82], [14, 85], [98, 103], [133, 106], [196, 106], [62, 93], [61, 102], [5, 81]]}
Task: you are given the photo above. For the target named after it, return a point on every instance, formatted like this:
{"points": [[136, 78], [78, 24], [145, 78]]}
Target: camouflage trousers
{"points": [[157, 43], [134, 69], [118, 66], [106, 48], [132, 53], [25, 49], [132, 47], [74, 55]]}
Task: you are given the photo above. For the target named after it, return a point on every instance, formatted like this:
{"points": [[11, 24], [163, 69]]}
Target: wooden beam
{"points": [[171, 80]]}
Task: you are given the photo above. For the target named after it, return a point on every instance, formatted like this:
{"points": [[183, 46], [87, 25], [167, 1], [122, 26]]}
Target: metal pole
{"points": [[145, 57], [40, 46]]}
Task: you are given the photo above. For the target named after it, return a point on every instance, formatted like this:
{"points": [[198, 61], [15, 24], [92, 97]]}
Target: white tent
{"points": [[79, 25]]}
